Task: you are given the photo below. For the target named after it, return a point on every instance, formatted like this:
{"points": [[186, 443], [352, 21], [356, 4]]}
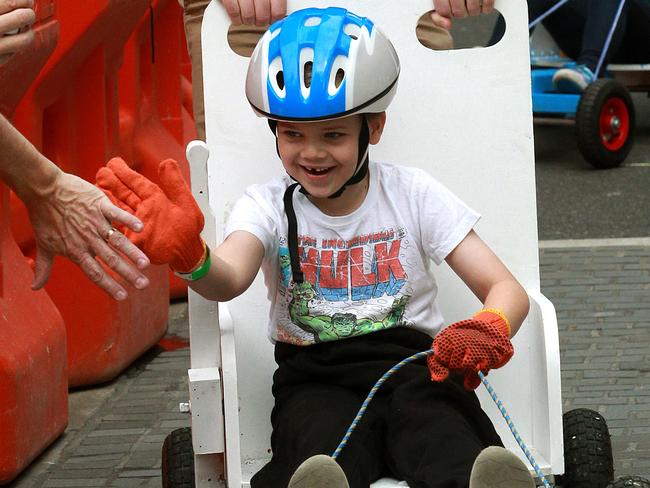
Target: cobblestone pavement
{"points": [[602, 300], [602, 297]]}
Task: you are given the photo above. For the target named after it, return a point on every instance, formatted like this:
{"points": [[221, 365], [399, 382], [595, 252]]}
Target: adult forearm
{"points": [[22, 167]]}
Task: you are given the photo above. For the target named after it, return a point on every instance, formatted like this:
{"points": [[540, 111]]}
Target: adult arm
{"points": [[70, 217]]}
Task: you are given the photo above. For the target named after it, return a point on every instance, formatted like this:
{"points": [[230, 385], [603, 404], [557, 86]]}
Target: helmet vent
{"points": [[338, 79], [338, 74], [352, 30], [276, 77], [307, 70], [312, 21]]}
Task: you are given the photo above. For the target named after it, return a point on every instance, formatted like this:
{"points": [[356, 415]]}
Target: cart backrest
{"points": [[464, 116]]}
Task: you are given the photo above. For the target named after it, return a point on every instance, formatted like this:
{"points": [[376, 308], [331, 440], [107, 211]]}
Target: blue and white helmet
{"points": [[354, 67]]}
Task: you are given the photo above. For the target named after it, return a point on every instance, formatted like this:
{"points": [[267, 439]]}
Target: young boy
{"points": [[346, 262]]}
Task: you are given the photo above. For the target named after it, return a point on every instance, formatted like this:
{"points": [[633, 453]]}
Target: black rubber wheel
{"points": [[588, 461], [630, 482], [605, 124], [177, 464]]}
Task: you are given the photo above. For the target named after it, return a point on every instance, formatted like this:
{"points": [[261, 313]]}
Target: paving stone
{"points": [[130, 483], [140, 473], [67, 483]]}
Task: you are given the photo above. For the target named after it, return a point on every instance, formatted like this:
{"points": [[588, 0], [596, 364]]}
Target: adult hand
{"points": [[172, 219], [72, 219], [480, 343], [257, 12], [15, 16], [446, 10]]}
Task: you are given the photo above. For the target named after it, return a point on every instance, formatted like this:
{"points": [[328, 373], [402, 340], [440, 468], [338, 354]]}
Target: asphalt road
{"points": [[575, 201]]}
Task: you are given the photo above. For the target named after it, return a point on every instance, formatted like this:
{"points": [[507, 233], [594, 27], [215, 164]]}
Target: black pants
{"points": [[425, 433], [581, 27]]}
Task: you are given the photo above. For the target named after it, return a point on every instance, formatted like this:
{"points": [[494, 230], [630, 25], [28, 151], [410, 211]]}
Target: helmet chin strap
{"points": [[292, 230], [362, 162]]}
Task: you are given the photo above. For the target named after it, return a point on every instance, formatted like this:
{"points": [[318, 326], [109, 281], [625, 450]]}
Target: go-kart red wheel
{"points": [[605, 124]]}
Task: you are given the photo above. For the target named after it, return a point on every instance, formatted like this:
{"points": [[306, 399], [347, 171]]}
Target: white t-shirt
{"points": [[366, 271]]}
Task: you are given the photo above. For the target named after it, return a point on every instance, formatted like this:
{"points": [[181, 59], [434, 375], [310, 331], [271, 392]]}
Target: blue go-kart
{"points": [[604, 113]]}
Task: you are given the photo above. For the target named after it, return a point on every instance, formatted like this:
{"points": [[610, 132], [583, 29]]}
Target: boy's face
{"points": [[322, 156]]}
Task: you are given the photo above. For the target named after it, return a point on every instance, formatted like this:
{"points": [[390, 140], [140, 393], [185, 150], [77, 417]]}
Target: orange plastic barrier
{"points": [[113, 86], [33, 375], [33, 379]]}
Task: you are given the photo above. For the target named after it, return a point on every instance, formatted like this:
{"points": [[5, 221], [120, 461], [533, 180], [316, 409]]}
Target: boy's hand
{"points": [[172, 219], [478, 344]]}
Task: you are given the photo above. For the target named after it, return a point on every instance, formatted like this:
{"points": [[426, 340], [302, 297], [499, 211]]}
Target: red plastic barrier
{"points": [[112, 87], [33, 378]]}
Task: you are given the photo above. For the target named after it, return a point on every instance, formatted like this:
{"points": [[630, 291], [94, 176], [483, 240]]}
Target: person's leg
{"points": [[436, 431], [311, 419], [318, 391], [635, 48], [600, 17]]}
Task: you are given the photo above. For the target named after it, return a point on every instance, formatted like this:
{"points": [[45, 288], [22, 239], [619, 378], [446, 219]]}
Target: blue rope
{"points": [[536, 21], [608, 41], [518, 438], [370, 396], [489, 388]]}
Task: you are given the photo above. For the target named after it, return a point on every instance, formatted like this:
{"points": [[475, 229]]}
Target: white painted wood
{"points": [[205, 351], [466, 117], [206, 469], [207, 413], [205, 337]]}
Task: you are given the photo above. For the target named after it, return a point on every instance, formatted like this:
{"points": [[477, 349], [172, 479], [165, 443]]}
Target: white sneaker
{"points": [[319, 471], [496, 467], [573, 80]]}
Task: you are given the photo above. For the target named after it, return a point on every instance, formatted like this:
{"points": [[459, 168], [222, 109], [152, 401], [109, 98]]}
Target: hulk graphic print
{"points": [[368, 270], [352, 287]]}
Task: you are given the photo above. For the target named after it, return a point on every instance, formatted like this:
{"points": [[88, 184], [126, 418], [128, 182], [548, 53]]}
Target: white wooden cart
{"points": [[465, 116]]}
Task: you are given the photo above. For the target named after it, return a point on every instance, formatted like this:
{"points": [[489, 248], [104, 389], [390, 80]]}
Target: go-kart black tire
{"points": [[177, 463], [630, 482], [588, 461], [600, 144]]}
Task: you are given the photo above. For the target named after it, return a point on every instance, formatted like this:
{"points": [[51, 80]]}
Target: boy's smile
{"points": [[322, 157]]}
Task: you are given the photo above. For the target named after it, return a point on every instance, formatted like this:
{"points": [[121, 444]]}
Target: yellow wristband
{"points": [[498, 312]]}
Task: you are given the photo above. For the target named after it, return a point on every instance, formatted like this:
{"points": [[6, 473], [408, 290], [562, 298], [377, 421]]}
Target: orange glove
{"points": [[172, 219], [478, 344]]}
